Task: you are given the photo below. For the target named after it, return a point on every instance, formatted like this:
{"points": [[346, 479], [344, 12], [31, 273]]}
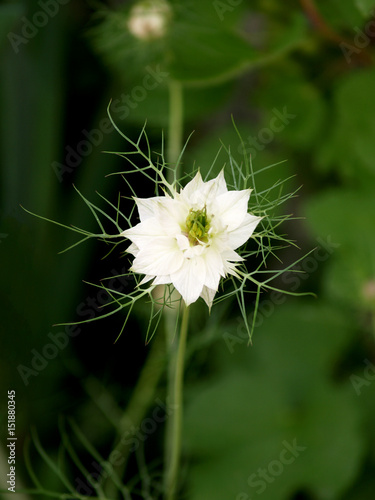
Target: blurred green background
{"points": [[289, 417]]}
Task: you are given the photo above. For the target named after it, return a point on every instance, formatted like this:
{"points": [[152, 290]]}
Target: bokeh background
{"points": [[288, 417]]}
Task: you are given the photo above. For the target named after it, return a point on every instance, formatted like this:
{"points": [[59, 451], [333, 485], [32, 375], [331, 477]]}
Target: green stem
{"points": [[141, 400], [176, 125], [173, 424], [175, 399]]}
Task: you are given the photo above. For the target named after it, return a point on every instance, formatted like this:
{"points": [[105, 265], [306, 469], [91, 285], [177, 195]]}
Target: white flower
{"points": [[190, 239], [149, 19]]}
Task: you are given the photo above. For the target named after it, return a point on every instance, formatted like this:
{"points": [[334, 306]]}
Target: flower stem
{"points": [[140, 402], [175, 132], [174, 427], [176, 353]]}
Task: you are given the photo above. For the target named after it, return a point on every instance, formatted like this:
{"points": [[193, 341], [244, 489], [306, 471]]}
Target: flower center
{"points": [[197, 226]]}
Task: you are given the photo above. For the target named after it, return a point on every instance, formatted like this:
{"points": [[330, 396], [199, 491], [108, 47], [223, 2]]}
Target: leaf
{"points": [[340, 14], [365, 7], [344, 217], [208, 53], [280, 396], [350, 278], [350, 147], [344, 214], [300, 102]]}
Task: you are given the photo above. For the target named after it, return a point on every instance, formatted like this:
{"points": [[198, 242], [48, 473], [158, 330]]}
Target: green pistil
{"points": [[197, 226]]}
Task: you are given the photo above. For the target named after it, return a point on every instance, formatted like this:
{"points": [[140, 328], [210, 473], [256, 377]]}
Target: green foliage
{"points": [[345, 217], [352, 119], [201, 46], [280, 391]]}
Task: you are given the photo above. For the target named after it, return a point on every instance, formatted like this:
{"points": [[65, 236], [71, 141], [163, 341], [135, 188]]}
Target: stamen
{"points": [[197, 226]]}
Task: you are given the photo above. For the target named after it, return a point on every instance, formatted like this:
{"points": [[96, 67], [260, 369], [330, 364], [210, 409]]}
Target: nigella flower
{"points": [[189, 239]]}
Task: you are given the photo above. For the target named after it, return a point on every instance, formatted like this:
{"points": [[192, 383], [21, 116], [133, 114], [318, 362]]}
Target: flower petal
{"points": [[230, 255], [231, 207], [145, 279], [214, 268], [133, 249], [240, 235], [198, 193], [147, 206], [160, 257], [221, 184], [162, 280], [171, 215], [230, 268], [208, 296], [192, 187], [189, 279], [144, 233]]}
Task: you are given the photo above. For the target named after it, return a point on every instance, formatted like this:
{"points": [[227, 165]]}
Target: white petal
{"points": [[230, 255], [162, 280], [192, 187], [133, 249], [144, 233], [240, 235], [160, 257], [221, 184], [182, 242], [189, 280], [214, 268], [213, 188], [147, 206], [194, 251], [171, 215], [208, 296], [231, 207], [146, 279], [198, 193], [230, 268]]}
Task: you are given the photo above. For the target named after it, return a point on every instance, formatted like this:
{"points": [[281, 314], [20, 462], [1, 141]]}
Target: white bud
{"points": [[368, 291], [148, 20]]}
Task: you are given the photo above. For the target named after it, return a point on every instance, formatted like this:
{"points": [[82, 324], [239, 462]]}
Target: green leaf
{"points": [[345, 218], [340, 14], [350, 147], [278, 396], [365, 7], [343, 214], [350, 278], [302, 103], [208, 53]]}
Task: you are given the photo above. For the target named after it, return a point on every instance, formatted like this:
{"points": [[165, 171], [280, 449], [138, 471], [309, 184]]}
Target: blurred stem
{"points": [[176, 125], [137, 408], [312, 12], [175, 137], [175, 400]]}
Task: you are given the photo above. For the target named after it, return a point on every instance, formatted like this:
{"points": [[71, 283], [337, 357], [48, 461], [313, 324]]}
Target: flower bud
{"points": [[368, 291], [148, 19]]}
